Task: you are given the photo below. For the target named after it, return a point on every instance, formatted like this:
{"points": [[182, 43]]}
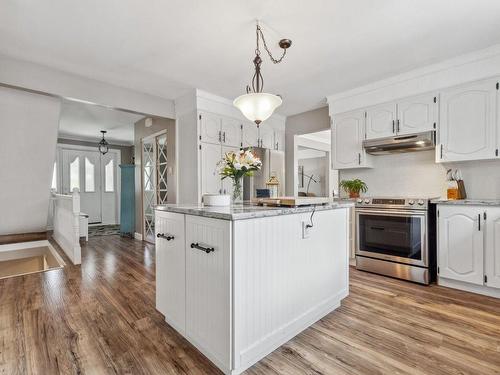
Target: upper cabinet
{"points": [[468, 124], [231, 132], [266, 136], [210, 128], [381, 121], [250, 135], [347, 137], [417, 114]]}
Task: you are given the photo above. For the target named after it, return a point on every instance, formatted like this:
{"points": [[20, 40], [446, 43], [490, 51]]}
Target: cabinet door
{"points": [[417, 114], [266, 135], [381, 121], [231, 132], [492, 248], [210, 128], [347, 135], [467, 126], [170, 269], [250, 135], [460, 242], [227, 183], [279, 140], [210, 179], [208, 291]]}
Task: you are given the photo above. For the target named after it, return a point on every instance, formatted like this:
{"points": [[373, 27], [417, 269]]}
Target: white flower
{"points": [[237, 166]]}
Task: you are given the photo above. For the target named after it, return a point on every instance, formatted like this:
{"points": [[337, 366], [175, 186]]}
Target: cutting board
{"points": [[292, 201]]}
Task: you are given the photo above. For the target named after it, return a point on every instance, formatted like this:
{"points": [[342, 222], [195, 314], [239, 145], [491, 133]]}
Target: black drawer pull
{"points": [[377, 228], [202, 248], [168, 237]]}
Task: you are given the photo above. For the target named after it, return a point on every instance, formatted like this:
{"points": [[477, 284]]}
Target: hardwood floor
{"points": [[100, 319]]}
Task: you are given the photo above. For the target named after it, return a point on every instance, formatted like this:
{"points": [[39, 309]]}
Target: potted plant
{"points": [[354, 187], [235, 165]]}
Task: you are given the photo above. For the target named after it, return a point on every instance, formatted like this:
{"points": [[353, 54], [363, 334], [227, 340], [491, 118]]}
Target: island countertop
{"points": [[468, 202], [246, 211]]}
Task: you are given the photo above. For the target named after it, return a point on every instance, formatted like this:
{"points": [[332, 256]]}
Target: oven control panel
{"points": [[413, 203]]}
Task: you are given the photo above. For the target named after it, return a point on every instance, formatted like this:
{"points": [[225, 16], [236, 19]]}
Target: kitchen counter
{"points": [[468, 202], [238, 289], [247, 211]]}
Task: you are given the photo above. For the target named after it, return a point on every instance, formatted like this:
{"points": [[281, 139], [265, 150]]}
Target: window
{"points": [[74, 174], [109, 175], [89, 176], [53, 185]]}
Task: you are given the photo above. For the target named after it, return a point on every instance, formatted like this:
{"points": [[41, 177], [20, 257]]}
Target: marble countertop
{"points": [[468, 202], [247, 211]]}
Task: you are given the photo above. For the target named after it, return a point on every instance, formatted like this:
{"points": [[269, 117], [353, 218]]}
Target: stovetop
{"points": [[413, 203]]}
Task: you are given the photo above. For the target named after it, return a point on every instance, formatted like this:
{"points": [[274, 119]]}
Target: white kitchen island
{"points": [[238, 282]]}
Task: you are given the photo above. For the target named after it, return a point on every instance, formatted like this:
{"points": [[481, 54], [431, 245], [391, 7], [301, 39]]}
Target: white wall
{"points": [[28, 125], [302, 123], [317, 168], [44, 79]]}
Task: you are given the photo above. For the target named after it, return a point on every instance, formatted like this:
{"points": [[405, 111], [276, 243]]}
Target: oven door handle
{"points": [[377, 228], [362, 211]]}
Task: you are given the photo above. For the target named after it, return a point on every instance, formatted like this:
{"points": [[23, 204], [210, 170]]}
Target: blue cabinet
{"points": [[127, 200]]}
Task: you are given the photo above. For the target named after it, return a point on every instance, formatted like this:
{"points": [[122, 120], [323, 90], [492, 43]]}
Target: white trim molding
{"points": [[138, 236]]}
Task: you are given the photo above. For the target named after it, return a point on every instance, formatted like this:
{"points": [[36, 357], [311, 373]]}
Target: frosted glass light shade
{"points": [[257, 107]]}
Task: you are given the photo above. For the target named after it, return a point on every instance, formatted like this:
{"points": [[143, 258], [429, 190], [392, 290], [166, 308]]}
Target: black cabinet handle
{"points": [[202, 248], [479, 222], [397, 127], [168, 237], [393, 126], [377, 228]]}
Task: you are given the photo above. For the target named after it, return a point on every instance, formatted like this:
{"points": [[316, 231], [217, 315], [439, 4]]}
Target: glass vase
{"points": [[237, 190]]}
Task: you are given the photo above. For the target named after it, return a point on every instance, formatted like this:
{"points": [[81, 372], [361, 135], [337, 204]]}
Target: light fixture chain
{"points": [[257, 51]]}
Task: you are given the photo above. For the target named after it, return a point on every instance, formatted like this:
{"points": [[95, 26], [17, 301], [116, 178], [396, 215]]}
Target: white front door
{"points": [[82, 170], [96, 177]]}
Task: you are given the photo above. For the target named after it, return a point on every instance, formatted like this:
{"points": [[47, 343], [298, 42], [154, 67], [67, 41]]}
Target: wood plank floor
{"points": [[100, 319]]}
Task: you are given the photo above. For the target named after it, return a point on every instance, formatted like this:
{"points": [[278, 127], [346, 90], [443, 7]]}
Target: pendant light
{"points": [[258, 106], [103, 146]]}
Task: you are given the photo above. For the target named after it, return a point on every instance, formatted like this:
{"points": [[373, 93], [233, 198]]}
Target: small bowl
{"points": [[219, 200]]}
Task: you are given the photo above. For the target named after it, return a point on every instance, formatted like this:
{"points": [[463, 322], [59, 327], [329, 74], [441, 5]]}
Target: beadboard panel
{"points": [[208, 288], [171, 269], [284, 282]]}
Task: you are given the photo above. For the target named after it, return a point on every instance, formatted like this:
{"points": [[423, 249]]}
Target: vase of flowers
{"points": [[236, 165]]}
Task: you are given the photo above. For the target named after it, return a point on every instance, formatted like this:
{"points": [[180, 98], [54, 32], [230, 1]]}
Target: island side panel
{"points": [[283, 282]]}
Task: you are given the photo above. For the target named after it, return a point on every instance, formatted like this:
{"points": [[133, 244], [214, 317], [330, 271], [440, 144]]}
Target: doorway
{"points": [[154, 179], [96, 177]]}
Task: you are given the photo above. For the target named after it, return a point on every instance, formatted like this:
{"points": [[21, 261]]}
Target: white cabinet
{"points": [[266, 136], [417, 114], [210, 128], [208, 286], [279, 140], [347, 138], [210, 179], [381, 121], [250, 135], [231, 132], [170, 268], [460, 243], [492, 248], [468, 125]]}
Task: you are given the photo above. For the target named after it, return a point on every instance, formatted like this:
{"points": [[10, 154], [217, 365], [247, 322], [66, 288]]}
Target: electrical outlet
{"points": [[306, 232]]}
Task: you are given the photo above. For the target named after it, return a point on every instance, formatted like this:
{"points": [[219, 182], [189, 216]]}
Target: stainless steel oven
{"points": [[392, 238]]}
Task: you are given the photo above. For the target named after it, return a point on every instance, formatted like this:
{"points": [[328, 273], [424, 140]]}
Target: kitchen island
{"points": [[240, 281]]}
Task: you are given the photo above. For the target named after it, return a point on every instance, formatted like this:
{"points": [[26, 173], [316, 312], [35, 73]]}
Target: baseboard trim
{"points": [[472, 288], [22, 237], [138, 236]]}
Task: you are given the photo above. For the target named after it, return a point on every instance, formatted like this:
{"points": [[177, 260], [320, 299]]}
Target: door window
{"points": [[74, 174], [109, 174], [89, 176]]}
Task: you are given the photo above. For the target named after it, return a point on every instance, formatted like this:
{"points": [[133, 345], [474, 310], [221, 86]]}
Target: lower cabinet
{"points": [[170, 268], [208, 293], [469, 245]]}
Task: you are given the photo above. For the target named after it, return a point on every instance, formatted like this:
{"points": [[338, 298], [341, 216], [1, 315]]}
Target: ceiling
{"points": [[166, 47], [85, 121]]}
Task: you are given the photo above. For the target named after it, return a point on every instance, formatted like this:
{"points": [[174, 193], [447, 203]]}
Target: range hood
{"points": [[399, 144]]}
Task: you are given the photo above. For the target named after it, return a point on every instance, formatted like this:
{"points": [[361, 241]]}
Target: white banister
{"points": [[67, 225]]}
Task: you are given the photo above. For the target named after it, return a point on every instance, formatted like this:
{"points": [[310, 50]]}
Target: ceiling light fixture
{"points": [[258, 106], [103, 145]]}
